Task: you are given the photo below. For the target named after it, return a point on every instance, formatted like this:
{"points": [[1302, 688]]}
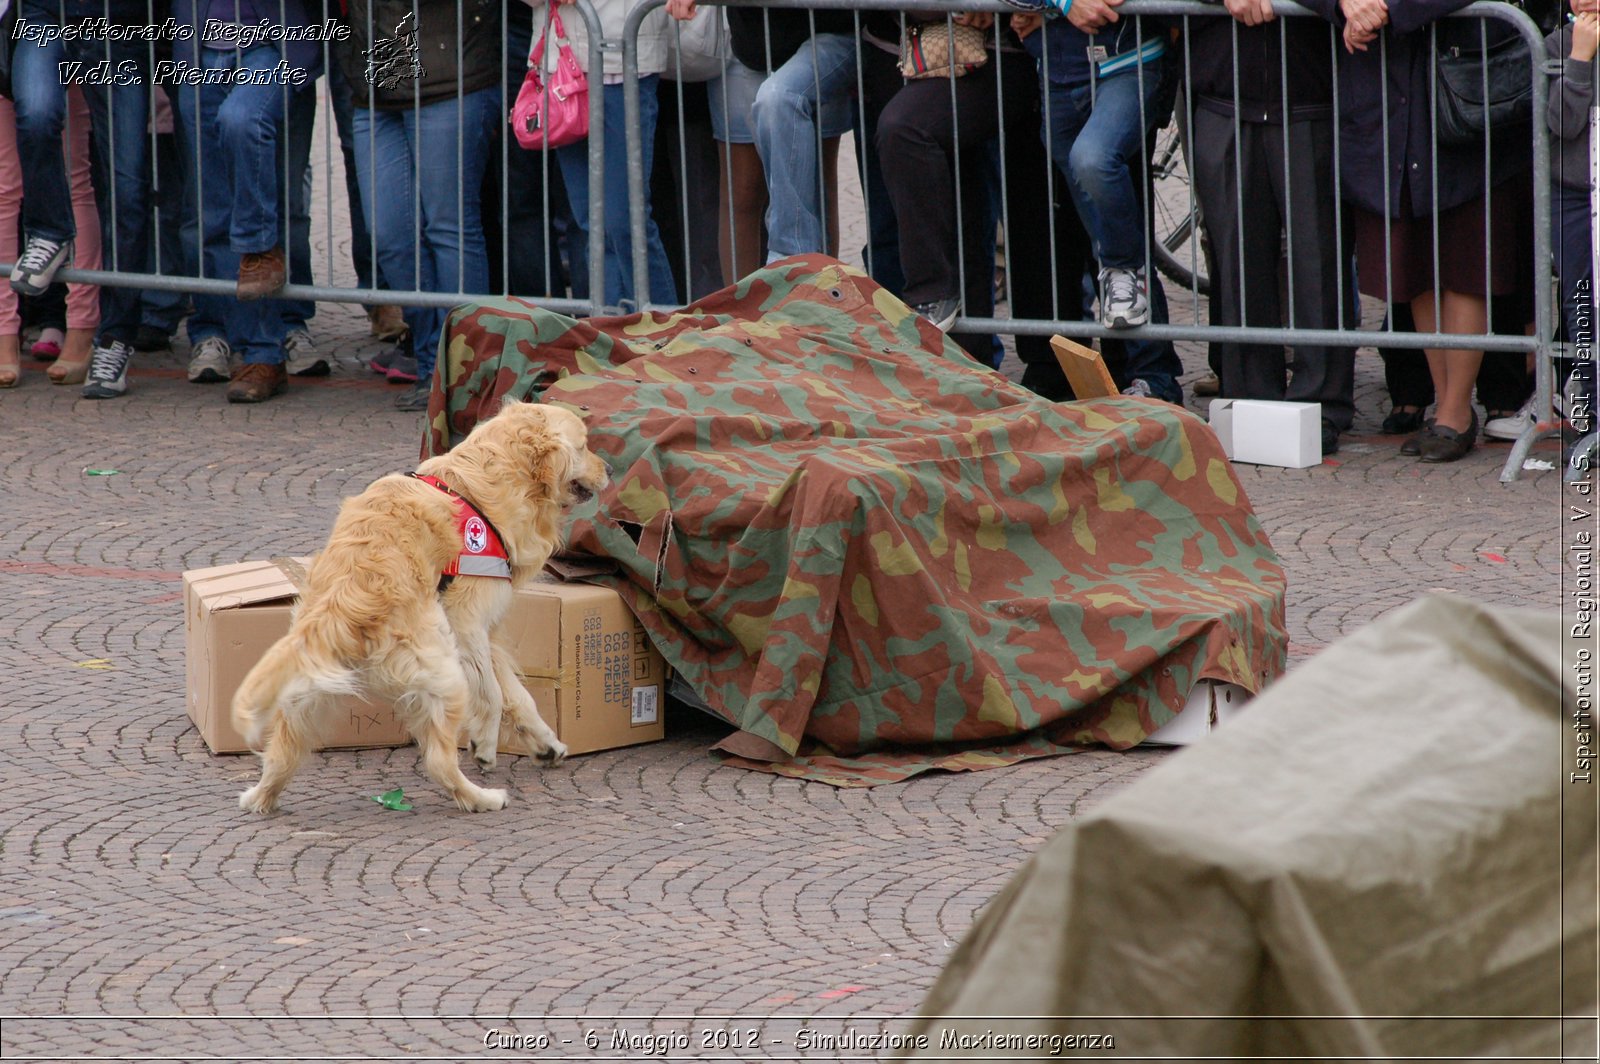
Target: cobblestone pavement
{"points": [[142, 914]]}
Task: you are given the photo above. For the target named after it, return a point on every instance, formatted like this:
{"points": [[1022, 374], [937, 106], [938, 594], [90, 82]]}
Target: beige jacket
{"points": [[612, 14]]}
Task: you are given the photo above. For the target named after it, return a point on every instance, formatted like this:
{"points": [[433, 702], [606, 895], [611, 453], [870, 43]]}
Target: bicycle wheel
{"points": [[1178, 247]]}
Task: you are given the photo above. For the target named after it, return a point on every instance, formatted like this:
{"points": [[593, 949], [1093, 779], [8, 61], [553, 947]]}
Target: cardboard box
{"points": [[594, 673], [232, 614], [597, 679], [1210, 703], [1267, 432]]}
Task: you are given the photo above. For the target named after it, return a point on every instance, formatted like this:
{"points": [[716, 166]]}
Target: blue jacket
{"points": [[1063, 51], [1362, 82]]}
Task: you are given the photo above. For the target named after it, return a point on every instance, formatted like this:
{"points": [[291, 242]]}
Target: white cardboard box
{"points": [[1210, 703], [1268, 432]]}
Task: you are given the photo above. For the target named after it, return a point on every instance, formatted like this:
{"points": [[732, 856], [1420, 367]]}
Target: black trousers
{"points": [[1247, 163]]}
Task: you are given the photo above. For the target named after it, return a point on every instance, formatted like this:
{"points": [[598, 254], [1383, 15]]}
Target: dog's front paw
{"points": [[483, 800], [556, 754], [254, 801]]}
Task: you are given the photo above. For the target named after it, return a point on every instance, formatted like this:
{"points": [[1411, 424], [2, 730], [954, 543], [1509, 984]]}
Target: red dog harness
{"points": [[482, 552]]}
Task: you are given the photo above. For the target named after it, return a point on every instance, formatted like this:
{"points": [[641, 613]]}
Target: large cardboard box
{"points": [[597, 679], [232, 614], [1269, 432], [594, 673]]}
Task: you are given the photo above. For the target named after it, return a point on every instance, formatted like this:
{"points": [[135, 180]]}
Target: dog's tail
{"points": [[285, 682]]}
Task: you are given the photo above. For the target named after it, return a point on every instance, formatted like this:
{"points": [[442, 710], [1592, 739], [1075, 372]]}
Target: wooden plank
{"points": [[1085, 369]]}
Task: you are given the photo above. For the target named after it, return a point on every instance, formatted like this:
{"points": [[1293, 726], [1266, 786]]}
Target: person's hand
{"points": [[1585, 36], [1024, 23], [1366, 16], [978, 20], [1090, 15], [682, 10], [1357, 40], [1251, 12]]}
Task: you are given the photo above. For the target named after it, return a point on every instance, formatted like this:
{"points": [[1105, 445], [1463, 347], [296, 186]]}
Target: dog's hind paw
{"points": [[485, 759], [254, 801], [556, 754]]}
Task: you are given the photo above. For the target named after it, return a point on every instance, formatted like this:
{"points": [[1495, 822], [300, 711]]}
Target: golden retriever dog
{"points": [[377, 615]]}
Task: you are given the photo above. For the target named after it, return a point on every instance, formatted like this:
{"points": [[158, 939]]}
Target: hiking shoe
{"points": [[261, 274], [402, 370], [301, 357], [256, 382], [941, 312], [1123, 300], [208, 361], [414, 397], [1513, 426], [37, 265], [108, 371]]}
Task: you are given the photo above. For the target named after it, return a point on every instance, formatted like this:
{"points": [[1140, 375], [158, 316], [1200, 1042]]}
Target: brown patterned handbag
{"points": [[941, 49]]}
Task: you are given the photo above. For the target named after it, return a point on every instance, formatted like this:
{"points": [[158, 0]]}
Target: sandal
{"points": [[10, 360], [73, 365]]}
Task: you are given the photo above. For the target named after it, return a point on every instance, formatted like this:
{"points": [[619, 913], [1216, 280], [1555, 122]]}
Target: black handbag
{"points": [[1480, 89]]}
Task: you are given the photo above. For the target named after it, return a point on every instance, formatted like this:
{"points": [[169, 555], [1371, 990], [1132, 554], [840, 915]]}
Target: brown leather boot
{"points": [[256, 382], [261, 274]]}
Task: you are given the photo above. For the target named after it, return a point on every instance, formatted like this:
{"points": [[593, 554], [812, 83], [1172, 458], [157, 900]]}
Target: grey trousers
{"points": [[1246, 288]]}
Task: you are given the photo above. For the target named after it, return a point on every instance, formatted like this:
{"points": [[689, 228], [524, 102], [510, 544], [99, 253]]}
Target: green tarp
{"points": [[1384, 857], [873, 555]]}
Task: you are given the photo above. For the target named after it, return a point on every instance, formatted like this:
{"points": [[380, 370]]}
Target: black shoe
{"points": [[150, 338], [415, 397], [1448, 445], [1402, 422], [1330, 439], [1413, 444]]}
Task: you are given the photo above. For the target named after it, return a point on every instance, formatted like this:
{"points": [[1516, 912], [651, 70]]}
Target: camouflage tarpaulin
{"points": [[873, 555]]}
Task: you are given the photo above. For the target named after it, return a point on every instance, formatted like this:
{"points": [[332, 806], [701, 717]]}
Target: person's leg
{"points": [[10, 216], [662, 287], [341, 101], [787, 136], [450, 141], [41, 113], [83, 300], [914, 147], [120, 117], [252, 118], [296, 196], [880, 81], [1302, 183], [1571, 218], [384, 170], [1227, 170], [1103, 162], [162, 311], [1454, 370], [207, 200]]}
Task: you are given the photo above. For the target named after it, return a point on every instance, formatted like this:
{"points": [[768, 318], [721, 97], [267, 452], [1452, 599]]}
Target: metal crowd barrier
{"points": [[1176, 247]]}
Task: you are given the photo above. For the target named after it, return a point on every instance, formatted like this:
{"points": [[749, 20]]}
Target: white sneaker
{"points": [[108, 371], [1512, 428], [208, 362], [301, 357], [36, 267], [1124, 303]]}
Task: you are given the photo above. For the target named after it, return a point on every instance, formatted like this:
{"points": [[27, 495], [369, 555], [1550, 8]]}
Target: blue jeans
{"points": [[822, 72], [432, 158], [302, 115], [120, 114], [574, 160], [1097, 140], [210, 120]]}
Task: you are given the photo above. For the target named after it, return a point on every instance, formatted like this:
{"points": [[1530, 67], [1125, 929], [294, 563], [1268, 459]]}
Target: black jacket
{"points": [[1303, 46], [440, 34]]}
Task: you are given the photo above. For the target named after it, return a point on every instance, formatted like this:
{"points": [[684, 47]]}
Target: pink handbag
{"points": [[557, 114]]}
